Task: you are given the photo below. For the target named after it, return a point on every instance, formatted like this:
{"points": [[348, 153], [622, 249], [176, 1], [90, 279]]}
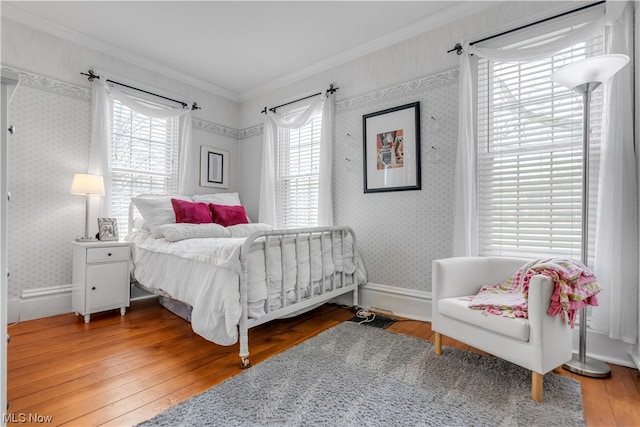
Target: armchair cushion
{"points": [[457, 308]]}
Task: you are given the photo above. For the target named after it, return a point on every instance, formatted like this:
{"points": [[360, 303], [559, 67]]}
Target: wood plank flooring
{"points": [[121, 370]]}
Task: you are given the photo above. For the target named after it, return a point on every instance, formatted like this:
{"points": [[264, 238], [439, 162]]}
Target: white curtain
{"points": [[268, 210], [100, 153], [465, 217], [616, 254], [465, 222], [325, 191], [100, 149], [616, 235]]}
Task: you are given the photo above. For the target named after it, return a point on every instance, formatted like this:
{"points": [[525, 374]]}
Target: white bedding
{"points": [[205, 272]]}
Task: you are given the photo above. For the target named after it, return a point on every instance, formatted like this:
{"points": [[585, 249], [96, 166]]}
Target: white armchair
{"points": [[540, 343]]}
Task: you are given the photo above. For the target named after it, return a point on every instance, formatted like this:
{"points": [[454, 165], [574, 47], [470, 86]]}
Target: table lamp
{"points": [[87, 185]]}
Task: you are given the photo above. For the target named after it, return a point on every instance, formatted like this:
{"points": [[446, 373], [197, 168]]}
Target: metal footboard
{"points": [[343, 248]]}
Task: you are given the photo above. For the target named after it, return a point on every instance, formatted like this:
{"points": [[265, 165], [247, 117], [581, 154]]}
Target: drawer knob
{"points": [[109, 254], [93, 288]]}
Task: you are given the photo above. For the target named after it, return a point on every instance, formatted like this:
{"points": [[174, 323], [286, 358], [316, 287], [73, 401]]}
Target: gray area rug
{"points": [[354, 375]]}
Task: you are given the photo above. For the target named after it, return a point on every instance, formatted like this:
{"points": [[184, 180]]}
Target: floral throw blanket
{"points": [[575, 287]]}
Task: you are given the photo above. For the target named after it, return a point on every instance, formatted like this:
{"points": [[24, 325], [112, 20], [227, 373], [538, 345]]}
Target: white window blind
{"points": [[530, 156], [298, 173], [144, 158]]}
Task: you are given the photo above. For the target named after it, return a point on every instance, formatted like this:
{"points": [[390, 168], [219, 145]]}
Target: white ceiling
{"points": [[238, 49]]}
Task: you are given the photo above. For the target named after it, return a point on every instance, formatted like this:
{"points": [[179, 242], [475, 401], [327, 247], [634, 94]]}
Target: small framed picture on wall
{"points": [[214, 167], [107, 229]]}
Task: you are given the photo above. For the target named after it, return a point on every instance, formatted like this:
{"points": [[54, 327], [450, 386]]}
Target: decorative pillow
{"points": [[193, 213], [228, 215], [227, 199], [244, 230], [182, 231], [156, 211]]}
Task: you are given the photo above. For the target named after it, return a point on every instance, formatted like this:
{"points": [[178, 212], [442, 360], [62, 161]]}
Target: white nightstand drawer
{"points": [[107, 254]]}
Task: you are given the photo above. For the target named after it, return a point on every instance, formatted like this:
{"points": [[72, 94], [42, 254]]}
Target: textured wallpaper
{"points": [[51, 144], [399, 233]]}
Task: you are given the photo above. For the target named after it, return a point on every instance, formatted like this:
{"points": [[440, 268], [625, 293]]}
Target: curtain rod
{"points": [[92, 76], [329, 91], [458, 47]]}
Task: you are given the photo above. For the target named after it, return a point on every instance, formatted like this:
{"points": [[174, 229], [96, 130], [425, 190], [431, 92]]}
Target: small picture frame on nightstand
{"points": [[107, 229]]}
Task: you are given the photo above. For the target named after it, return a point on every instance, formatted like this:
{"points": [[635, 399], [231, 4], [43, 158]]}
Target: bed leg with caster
{"points": [[244, 344]]}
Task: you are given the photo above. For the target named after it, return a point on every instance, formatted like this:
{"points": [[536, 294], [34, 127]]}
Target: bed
{"points": [[226, 278]]}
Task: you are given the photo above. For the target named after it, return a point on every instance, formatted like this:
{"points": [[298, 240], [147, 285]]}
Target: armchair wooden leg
{"points": [[438, 339], [536, 386]]}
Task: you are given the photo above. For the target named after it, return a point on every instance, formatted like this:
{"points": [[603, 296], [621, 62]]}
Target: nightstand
{"points": [[100, 277]]}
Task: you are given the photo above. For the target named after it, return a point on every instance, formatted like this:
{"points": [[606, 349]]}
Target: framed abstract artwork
{"points": [[392, 149]]}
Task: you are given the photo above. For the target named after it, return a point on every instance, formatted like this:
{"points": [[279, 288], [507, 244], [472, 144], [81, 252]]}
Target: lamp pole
{"points": [[580, 363], [584, 77]]}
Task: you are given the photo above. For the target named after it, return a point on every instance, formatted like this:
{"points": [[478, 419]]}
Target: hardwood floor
{"points": [[121, 370]]}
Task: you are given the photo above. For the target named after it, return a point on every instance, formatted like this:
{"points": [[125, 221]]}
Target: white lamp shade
{"points": [[590, 70], [84, 183]]}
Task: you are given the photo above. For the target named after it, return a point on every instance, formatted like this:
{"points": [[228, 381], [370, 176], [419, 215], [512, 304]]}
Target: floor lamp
{"points": [[584, 77]]}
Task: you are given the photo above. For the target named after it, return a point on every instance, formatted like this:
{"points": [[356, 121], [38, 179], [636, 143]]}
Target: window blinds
{"points": [[298, 173], [530, 156], [144, 158]]}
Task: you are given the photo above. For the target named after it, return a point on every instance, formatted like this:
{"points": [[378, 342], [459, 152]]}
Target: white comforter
{"points": [[204, 272]]}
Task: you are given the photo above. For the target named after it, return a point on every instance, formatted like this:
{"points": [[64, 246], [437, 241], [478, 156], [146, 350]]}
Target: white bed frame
{"points": [[340, 284]]}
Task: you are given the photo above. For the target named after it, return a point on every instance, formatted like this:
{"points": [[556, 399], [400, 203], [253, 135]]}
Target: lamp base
{"points": [[86, 239], [590, 367]]}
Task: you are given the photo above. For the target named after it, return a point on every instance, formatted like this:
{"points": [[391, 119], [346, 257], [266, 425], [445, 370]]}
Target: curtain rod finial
{"points": [[457, 48], [91, 75]]}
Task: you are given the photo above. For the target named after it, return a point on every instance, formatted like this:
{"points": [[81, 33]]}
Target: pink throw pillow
{"points": [[189, 212], [228, 215]]}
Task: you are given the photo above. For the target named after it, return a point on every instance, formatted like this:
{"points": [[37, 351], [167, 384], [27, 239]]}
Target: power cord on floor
{"points": [[365, 314]]}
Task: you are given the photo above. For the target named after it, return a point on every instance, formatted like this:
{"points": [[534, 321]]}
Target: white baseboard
{"points": [[407, 303], [416, 305], [38, 303], [601, 347], [635, 356]]}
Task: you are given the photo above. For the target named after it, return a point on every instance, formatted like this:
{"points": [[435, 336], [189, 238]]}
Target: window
{"points": [[530, 156], [298, 173], [144, 158]]}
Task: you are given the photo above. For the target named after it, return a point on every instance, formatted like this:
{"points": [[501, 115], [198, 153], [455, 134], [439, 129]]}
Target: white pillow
{"points": [[181, 231], [156, 211], [139, 224], [244, 230], [227, 199]]}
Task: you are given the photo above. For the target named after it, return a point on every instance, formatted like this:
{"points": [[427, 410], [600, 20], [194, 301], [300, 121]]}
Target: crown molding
{"points": [[14, 13], [443, 17], [452, 13]]}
